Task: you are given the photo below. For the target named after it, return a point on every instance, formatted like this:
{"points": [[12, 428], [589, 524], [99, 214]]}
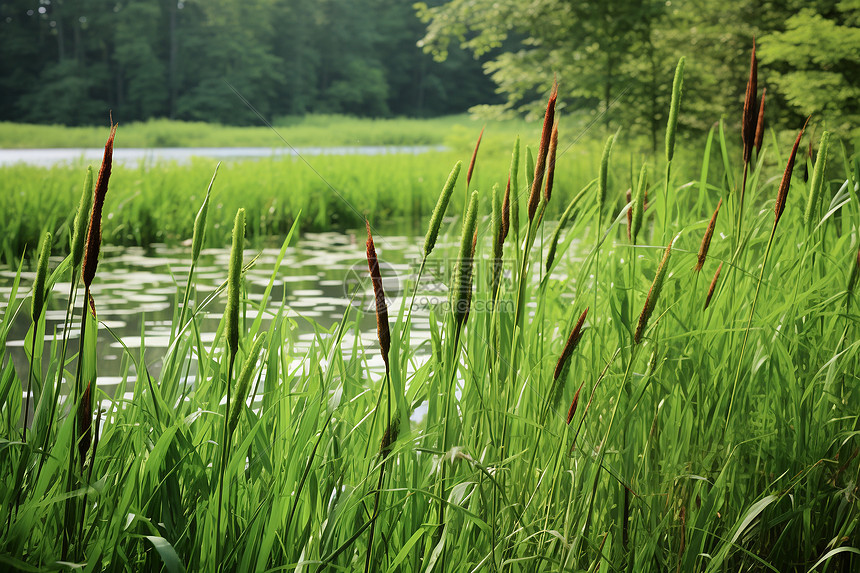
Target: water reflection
{"points": [[137, 292]]}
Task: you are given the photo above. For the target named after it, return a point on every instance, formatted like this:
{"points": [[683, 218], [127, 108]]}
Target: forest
{"points": [[68, 61]]}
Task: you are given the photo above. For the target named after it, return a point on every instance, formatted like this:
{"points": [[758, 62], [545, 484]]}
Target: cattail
{"points": [[474, 157], [506, 211], [672, 125], [759, 126], [782, 194], [242, 385], [469, 292], [706, 240], [390, 436], [200, 220], [439, 210], [629, 197], [572, 341], [653, 296], [817, 182], [713, 286], [550, 170], [85, 423], [513, 209], [750, 120], [234, 278], [499, 233], [603, 173], [543, 151], [80, 225], [571, 412], [463, 271], [38, 300], [94, 235], [637, 211], [382, 331]]}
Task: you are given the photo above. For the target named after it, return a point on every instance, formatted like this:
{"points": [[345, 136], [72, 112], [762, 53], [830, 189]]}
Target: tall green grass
{"points": [[648, 472]]}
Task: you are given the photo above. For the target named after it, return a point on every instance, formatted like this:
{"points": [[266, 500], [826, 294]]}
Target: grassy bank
{"points": [[157, 204], [311, 130], [587, 408]]}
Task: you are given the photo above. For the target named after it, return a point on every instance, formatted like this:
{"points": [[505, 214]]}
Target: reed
{"points": [[637, 212], [234, 286], [603, 174], [785, 182], [706, 239], [382, 329], [653, 295], [80, 226], [550, 171], [439, 210], [570, 346], [713, 285], [571, 412], [543, 152], [674, 108], [816, 183], [94, 236], [513, 209], [759, 127], [462, 281], [243, 383]]}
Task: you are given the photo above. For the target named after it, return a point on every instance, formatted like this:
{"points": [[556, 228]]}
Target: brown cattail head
{"points": [[572, 341], [713, 286], [749, 120], [572, 411], [85, 423], [759, 127], [94, 236], [390, 436], [706, 240], [543, 151], [653, 295], [550, 169], [785, 184], [506, 211], [474, 157], [381, 309]]}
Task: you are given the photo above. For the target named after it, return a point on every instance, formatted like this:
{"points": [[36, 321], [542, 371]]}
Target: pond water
{"points": [[138, 290], [50, 157]]}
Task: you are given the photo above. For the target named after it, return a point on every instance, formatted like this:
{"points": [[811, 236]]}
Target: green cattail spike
{"points": [[603, 174], [242, 385], [233, 282], [498, 237], [439, 210], [671, 126], [653, 296], [817, 182], [81, 223], [200, 220], [463, 272], [515, 189], [639, 204], [38, 300]]}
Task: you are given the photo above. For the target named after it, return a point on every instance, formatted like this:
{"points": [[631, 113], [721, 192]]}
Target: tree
{"points": [[815, 64]]}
